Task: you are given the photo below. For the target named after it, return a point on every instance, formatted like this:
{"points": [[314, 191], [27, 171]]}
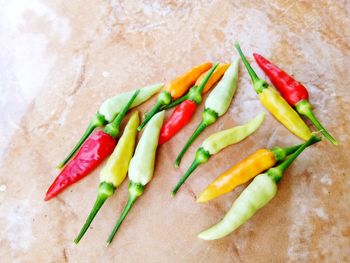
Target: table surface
{"points": [[60, 59]]}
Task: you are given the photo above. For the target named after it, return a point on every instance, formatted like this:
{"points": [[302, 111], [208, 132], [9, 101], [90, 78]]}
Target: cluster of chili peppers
{"points": [[97, 145], [259, 192]]}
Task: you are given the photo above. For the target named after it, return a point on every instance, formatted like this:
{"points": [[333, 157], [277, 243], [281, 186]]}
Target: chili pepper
{"points": [[242, 172], [184, 112], [292, 91], [175, 89], [114, 172], [109, 110], [141, 166], [218, 141], [259, 192], [216, 105], [214, 78], [95, 149], [270, 98], [178, 119]]}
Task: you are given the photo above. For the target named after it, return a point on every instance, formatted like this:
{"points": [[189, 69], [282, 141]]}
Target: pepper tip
{"points": [[200, 200]]}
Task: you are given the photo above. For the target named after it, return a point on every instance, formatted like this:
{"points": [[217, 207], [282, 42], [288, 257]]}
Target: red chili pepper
{"points": [[96, 148], [292, 91], [178, 119], [184, 112]]}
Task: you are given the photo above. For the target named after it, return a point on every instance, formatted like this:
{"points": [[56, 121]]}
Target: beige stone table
{"points": [[60, 59]]}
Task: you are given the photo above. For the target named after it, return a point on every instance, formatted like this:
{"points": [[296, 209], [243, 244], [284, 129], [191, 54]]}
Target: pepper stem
{"points": [[202, 156], [98, 121], [176, 102], [164, 98], [209, 116], [135, 191], [277, 172], [281, 153], [105, 191], [113, 128], [207, 77], [190, 170], [196, 133], [304, 107], [258, 84], [198, 90]]}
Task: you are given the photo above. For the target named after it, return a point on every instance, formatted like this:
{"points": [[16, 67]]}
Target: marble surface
{"points": [[60, 59]]}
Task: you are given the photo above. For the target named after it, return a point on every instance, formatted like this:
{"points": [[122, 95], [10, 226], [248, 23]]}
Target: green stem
{"points": [[105, 191], [207, 77], [202, 156], [258, 83], [196, 133], [277, 172], [209, 117], [304, 107], [195, 93], [135, 191], [281, 153], [193, 167], [176, 102], [113, 128], [98, 121], [164, 98]]}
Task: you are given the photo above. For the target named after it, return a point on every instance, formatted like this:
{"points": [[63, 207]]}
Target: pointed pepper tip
{"points": [[47, 197]]}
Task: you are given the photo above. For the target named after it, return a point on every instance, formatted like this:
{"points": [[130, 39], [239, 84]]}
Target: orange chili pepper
{"points": [[215, 77], [245, 170], [175, 89], [181, 84]]}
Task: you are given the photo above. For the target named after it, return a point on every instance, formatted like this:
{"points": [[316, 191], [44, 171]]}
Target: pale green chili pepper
{"points": [[110, 109], [218, 141], [112, 106], [216, 104], [115, 170], [141, 166], [259, 192]]}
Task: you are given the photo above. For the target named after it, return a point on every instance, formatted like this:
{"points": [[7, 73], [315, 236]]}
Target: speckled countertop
{"points": [[60, 59]]}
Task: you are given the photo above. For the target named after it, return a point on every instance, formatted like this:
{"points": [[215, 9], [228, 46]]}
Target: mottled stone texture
{"points": [[60, 59]]}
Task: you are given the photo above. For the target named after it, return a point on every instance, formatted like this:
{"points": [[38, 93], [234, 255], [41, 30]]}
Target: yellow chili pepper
{"points": [[245, 170], [117, 166], [115, 170], [275, 103], [283, 112], [175, 89], [215, 77]]}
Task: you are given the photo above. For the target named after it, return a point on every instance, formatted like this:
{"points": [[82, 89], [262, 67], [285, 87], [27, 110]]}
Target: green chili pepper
{"points": [[141, 166], [218, 141], [259, 192], [109, 110], [216, 104], [115, 170]]}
